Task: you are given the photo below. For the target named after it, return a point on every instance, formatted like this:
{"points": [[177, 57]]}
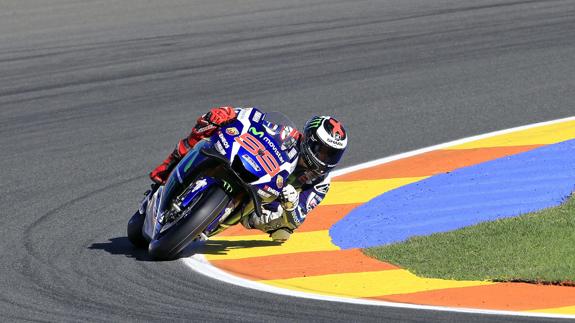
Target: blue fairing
{"points": [[268, 134], [182, 170], [227, 137], [201, 184], [224, 139]]}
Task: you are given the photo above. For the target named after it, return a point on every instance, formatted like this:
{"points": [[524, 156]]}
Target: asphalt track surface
{"points": [[93, 94]]}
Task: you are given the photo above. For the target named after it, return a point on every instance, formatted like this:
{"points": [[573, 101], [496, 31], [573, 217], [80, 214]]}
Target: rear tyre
{"points": [[204, 212], [135, 230]]}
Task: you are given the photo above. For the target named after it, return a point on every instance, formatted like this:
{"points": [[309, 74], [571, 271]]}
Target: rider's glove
{"points": [[220, 116], [289, 198]]}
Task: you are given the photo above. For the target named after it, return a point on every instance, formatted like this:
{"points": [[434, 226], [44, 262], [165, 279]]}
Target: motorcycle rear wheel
{"points": [[204, 212]]}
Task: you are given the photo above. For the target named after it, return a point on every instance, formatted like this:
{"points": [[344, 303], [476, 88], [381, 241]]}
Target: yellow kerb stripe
{"points": [[543, 135], [368, 284], [363, 191], [558, 310], [238, 247]]}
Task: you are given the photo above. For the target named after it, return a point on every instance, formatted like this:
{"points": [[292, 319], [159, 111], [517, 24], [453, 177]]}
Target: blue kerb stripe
{"points": [[501, 188]]}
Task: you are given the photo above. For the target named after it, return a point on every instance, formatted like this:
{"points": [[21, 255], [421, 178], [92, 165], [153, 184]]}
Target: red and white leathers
{"points": [[305, 190]]}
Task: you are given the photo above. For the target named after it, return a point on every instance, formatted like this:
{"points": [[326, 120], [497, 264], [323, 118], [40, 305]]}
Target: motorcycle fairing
{"points": [[253, 122]]}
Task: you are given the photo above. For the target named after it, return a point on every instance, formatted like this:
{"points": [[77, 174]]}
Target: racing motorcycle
{"points": [[243, 166]]}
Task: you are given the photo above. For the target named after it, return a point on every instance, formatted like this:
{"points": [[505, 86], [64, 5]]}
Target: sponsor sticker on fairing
{"points": [[251, 162], [280, 181], [274, 149], [271, 128], [242, 113], [223, 140], [259, 134], [219, 148], [257, 116], [233, 131]]}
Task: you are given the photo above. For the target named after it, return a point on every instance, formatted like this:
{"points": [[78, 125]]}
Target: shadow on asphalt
{"points": [[122, 246], [221, 247]]}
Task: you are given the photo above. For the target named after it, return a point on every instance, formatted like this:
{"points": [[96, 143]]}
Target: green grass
{"points": [[536, 247]]}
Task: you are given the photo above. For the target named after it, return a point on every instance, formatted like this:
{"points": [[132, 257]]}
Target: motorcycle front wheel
{"points": [[201, 214], [134, 230]]}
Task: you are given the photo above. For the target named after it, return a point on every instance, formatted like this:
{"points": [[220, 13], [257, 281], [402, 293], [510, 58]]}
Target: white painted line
{"points": [[198, 263]]}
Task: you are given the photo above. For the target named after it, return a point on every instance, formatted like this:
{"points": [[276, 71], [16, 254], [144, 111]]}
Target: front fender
{"points": [[152, 212]]}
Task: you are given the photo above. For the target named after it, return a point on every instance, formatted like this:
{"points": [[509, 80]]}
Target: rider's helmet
{"points": [[324, 142]]}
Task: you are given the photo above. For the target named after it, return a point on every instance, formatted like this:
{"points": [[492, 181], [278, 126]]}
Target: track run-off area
{"points": [[320, 261]]}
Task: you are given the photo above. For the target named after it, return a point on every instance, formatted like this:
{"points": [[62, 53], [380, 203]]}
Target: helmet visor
{"points": [[326, 155]]}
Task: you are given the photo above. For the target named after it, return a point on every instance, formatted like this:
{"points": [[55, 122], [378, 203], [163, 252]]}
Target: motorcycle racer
{"points": [[320, 149]]}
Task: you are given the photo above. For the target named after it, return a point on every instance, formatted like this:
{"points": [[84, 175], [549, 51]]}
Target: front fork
{"points": [[230, 215], [176, 208]]}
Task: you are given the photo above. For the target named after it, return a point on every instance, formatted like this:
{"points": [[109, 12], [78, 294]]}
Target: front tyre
{"points": [[204, 212], [135, 230]]}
